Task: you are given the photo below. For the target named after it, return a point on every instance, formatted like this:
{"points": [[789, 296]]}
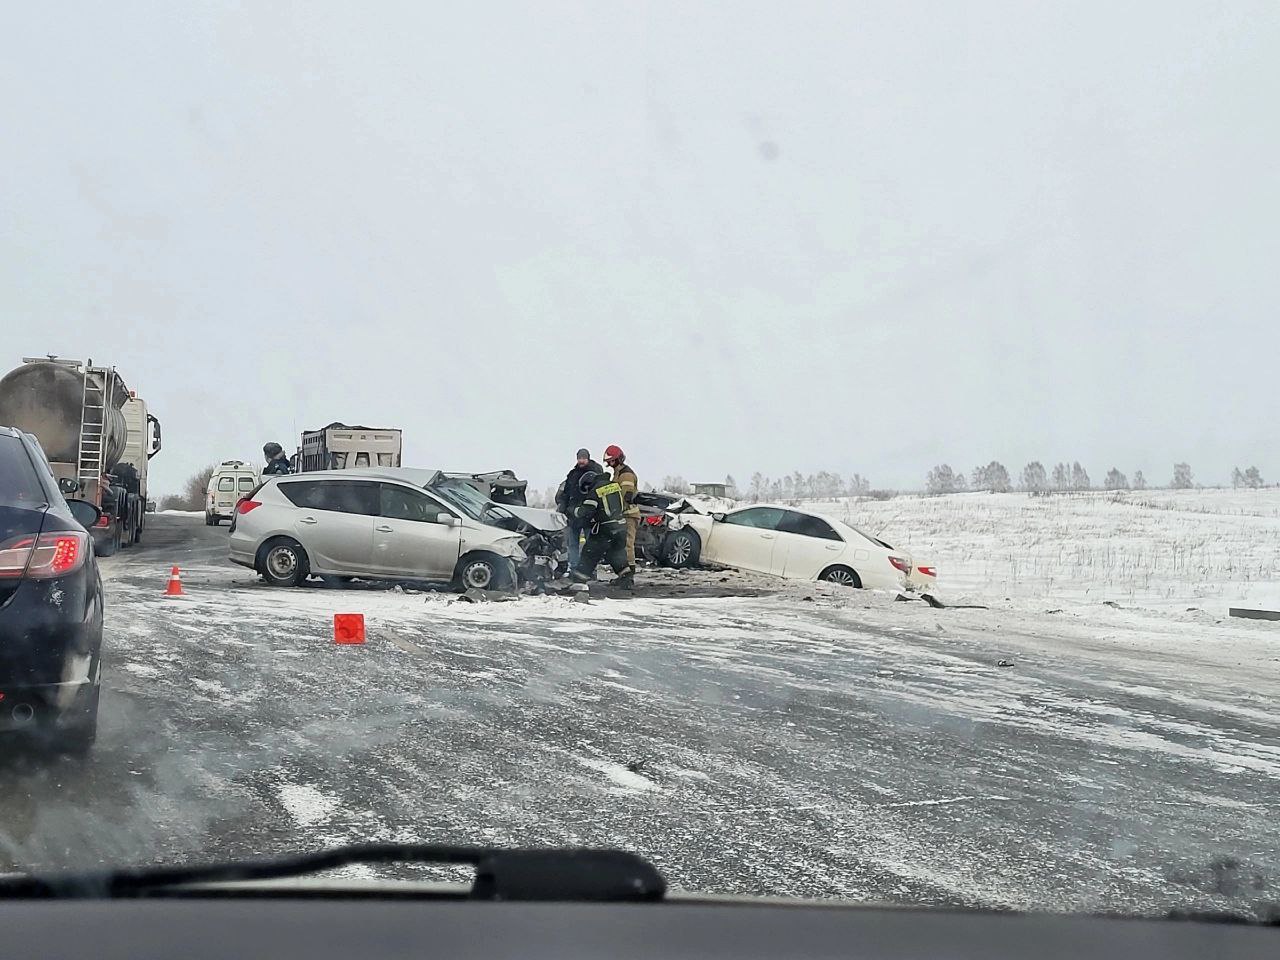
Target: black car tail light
{"points": [[44, 556]]}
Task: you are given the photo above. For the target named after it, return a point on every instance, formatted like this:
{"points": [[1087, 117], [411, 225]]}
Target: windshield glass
{"points": [[686, 312], [470, 501]]}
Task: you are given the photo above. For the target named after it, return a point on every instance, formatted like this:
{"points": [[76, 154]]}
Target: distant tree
{"points": [[799, 485], [1182, 479], [777, 490], [731, 486], [1079, 477], [827, 485], [1139, 481], [859, 486], [193, 492], [675, 484], [759, 488], [1253, 478], [993, 478], [1237, 478], [1061, 477], [1034, 480], [1116, 480], [788, 487], [941, 479]]}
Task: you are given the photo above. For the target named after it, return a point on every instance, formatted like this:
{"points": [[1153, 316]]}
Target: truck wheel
{"points": [[283, 563], [111, 544]]}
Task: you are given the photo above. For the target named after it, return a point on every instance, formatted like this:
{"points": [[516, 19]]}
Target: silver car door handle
{"points": [[766, 536], [307, 520], [384, 529], [832, 546]]}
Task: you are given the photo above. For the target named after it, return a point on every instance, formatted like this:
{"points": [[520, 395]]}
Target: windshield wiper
{"points": [[501, 874]]}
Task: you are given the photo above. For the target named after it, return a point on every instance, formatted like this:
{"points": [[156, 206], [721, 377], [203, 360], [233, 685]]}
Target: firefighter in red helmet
{"points": [[625, 478]]}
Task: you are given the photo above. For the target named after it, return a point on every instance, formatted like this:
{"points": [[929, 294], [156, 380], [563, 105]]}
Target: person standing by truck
{"points": [[569, 497], [626, 478], [277, 462]]}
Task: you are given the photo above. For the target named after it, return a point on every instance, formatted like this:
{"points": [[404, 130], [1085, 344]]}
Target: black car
{"points": [[50, 603]]}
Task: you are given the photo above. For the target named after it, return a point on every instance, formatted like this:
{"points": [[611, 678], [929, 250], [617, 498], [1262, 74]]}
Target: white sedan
{"points": [[792, 543]]}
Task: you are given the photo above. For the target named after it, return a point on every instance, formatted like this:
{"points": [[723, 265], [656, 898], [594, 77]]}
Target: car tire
{"points": [[841, 576], [484, 571], [215, 520], [682, 548], [282, 562], [79, 739]]}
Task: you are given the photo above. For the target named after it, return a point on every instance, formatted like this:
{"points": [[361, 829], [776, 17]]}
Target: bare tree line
{"points": [[193, 492], [1063, 478]]}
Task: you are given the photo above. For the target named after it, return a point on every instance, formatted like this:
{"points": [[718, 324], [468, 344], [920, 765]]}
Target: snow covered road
{"points": [[804, 740]]}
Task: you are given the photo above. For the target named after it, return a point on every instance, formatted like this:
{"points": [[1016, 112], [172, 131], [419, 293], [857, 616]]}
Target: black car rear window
{"points": [[20, 485]]}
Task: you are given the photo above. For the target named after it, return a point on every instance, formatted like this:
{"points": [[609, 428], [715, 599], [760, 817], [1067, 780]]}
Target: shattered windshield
{"points": [[719, 300], [470, 501]]}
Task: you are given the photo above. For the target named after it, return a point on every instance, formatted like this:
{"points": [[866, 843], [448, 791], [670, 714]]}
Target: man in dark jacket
{"points": [[568, 499], [602, 510], [277, 462]]}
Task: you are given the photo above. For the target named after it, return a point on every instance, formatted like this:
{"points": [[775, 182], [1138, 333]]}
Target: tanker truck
{"points": [[97, 435]]}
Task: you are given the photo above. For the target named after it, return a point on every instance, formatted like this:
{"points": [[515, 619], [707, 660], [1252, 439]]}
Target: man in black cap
{"points": [[277, 462], [568, 499]]}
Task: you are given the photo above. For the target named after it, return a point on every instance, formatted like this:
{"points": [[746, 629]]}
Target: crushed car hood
{"points": [[546, 521]]}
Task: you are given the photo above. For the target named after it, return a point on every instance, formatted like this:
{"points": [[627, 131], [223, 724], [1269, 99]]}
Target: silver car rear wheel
{"points": [[283, 563]]}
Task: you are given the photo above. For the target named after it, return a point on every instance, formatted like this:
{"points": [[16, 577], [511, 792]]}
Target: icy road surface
{"points": [[800, 740]]}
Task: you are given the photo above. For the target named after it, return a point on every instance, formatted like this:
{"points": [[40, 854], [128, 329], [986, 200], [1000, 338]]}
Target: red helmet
{"points": [[613, 452]]}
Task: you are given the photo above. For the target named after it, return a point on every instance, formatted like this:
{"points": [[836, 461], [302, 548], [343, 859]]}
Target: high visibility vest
{"points": [[612, 504]]}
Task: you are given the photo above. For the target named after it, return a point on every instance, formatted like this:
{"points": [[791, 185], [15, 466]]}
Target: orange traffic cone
{"points": [[175, 584]]}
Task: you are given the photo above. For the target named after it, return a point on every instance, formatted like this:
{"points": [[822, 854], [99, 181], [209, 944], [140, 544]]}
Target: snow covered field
{"points": [[1212, 548]]}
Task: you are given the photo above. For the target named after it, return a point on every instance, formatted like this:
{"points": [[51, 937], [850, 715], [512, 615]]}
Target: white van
{"points": [[232, 480]]}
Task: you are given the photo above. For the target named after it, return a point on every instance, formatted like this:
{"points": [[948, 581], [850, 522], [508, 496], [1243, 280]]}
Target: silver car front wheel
{"points": [[478, 575]]}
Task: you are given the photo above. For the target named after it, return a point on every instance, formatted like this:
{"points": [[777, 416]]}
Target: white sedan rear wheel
{"points": [[842, 576]]}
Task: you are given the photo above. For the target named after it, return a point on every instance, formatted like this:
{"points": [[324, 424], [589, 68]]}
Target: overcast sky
{"points": [[729, 237]]}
